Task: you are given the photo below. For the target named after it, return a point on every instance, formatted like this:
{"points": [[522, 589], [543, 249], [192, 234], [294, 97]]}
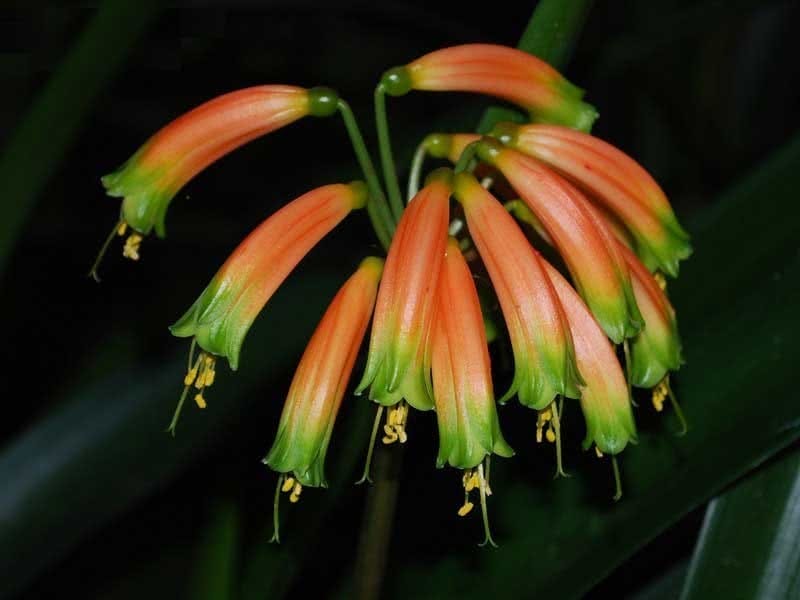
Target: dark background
{"points": [[700, 92]]}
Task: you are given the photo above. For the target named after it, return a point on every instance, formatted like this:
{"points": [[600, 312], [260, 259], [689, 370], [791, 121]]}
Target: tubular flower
{"points": [[149, 180], [220, 318], [586, 244], [615, 180], [320, 382], [657, 349], [505, 73], [462, 379], [398, 362], [604, 397], [543, 351]]}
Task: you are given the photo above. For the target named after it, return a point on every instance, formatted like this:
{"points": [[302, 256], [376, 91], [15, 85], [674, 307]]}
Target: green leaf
{"points": [[737, 304], [51, 124], [749, 545], [105, 448], [214, 567]]}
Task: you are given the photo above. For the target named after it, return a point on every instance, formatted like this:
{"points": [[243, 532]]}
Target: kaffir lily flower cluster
{"points": [[545, 183]]}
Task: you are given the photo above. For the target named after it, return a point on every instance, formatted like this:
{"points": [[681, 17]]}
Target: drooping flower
{"points": [[544, 359], [615, 180], [586, 244], [604, 396], [320, 381], [149, 180], [462, 381], [657, 349], [221, 317], [398, 362], [469, 430], [499, 71]]}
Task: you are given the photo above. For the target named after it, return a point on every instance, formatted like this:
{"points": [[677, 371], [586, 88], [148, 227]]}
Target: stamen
{"points": [[555, 430], [660, 393], [368, 463], [550, 435], [190, 377], [660, 280], [131, 248], [120, 226], [276, 538], [288, 484], [395, 428], [542, 420], [465, 509], [617, 479], [676, 407], [200, 401], [484, 511], [295, 495], [186, 386], [597, 451]]}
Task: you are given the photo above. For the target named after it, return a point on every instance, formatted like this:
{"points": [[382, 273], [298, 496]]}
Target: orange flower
{"points": [[396, 367], [615, 180], [462, 377], [543, 351], [222, 315], [499, 71], [166, 162], [604, 396], [320, 381], [582, 239]]}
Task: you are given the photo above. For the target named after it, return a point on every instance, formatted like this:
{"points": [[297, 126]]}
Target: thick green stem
{"points": [[377, 209], [387, 159]]}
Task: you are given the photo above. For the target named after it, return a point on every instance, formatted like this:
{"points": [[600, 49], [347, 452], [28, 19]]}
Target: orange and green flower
{"points": [[221, 317], [320, 382], [398, 362], [585, 243], [544, 358], [615, 181], [604, 397], [469, 429], [148, 181], [498, 71]]}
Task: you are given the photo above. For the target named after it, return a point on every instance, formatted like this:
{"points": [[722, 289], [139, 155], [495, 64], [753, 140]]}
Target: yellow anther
{"points": [[200, 382], [546, 414], [538, 434], [660, 393], [390, 437], [123, 227], [551, 435], [210, 374], [473, 483], [190, 376], [295, 495], [598, 452], [465, 477], [288, 484], [200, 401], [660, 280], [401, 433], [465, 509], [209, 361], [131, 248]]}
